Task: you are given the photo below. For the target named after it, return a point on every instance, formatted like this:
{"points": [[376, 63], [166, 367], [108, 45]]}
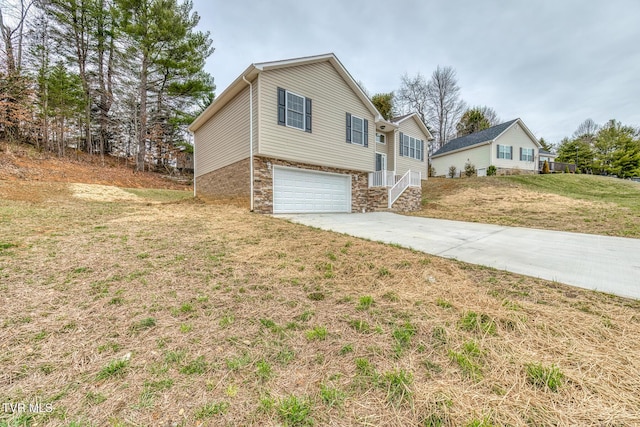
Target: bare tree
{"points": [[444, 104], [587, 131], [13, 37], [413, 95]]}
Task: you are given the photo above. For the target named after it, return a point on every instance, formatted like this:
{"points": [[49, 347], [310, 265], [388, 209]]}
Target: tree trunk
{"points": [[142, 135]]}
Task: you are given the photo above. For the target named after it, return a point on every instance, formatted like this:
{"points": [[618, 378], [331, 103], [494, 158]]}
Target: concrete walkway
{"points": [[606, 264]]}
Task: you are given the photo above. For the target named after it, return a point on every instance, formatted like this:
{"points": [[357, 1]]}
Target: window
{"points": [[294, 110], [380, 138], [526, 154], [411, 147], [505, 152], [357, 130]]}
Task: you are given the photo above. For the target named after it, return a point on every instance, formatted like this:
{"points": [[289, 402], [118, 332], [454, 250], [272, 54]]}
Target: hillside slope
{"points": [[576, 203], [26, 164]]}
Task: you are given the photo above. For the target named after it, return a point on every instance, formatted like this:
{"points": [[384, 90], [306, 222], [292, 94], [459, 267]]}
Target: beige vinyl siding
{"points": [[516, 137], [403, 164], [384, 148], [480, 157], [224, 138], [331, 99]]}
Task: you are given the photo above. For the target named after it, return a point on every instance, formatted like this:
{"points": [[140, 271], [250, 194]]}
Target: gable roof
{"points": [[481, 137], [416, 118], [242, 81]]}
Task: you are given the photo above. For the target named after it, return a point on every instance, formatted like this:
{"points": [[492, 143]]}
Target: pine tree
{"points": [[170, 56]]}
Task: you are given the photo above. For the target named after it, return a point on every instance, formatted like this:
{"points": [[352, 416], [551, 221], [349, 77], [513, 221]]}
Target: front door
{"points": [[381, 162]]}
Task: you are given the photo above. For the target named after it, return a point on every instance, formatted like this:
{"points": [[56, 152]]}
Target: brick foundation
{"points": [[363, 198], [514, 171], [409, 201], [263, 183], [229, 182]]}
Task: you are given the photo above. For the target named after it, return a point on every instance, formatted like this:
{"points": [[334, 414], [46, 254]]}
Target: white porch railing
{"points": [[415, 179], [382, 178], [409, 179]]}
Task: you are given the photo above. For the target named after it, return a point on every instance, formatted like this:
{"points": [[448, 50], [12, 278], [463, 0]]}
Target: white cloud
{"points": [[551, 63]]}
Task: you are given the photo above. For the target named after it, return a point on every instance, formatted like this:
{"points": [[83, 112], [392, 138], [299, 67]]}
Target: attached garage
{"points": [[304, 191]]}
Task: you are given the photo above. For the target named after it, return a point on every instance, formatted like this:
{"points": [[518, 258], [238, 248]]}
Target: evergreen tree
{"points": [[476, 119], [384, 102], [169, 56]]}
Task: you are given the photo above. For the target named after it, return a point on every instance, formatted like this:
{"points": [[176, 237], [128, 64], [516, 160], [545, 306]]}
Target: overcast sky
{"points": [[553, 63]]}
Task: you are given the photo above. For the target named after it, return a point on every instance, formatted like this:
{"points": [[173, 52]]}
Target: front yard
{"points": [[145, 307]]}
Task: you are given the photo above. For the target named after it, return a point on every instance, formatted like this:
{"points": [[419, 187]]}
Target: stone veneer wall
{"points": [[228, 182], [378, 199], [514, 171], [409, 201], [263, 183]]}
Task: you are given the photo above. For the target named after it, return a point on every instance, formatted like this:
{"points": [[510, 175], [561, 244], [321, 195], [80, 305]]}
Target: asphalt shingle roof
{"points": [[398, 118], [474, 138]]}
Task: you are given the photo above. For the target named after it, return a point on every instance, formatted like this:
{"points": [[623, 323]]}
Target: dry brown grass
{"points": [[24, 163], [501, 201], [78, 276]]}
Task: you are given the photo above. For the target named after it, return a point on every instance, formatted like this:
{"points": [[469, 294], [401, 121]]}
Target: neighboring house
{"points": [[300, 135], [510, 147], [184, 161], [553, 165], [546, 155]]}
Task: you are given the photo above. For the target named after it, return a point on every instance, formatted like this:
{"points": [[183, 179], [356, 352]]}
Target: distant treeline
{"points": [[123, 77], [609, 149]]}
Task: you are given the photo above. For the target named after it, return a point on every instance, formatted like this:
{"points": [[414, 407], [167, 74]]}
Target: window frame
{"points": [[413, 152], [287, 110], [529, 157], [384, 139], [361, 131], [502, 153]]}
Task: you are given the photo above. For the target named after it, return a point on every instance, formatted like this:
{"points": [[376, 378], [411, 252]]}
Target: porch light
{"points": [[382, 127]]}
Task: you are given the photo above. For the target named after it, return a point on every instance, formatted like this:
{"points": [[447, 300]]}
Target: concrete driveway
{"points": [[606, 264]]}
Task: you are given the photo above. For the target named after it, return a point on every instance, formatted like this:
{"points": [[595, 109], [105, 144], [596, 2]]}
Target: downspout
{"points": [[194, 163], [250, 138]]}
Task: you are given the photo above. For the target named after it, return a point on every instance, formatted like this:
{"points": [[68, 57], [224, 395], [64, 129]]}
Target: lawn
{"points": [[131, 308], [565, 202]]}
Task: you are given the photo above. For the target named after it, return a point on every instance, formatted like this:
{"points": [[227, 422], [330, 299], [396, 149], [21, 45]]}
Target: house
{"points": [[300, 135], [510, 147], [184, 161], [546, 155]]}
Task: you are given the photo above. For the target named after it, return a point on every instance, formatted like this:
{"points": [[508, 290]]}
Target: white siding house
{"points": [[510, 147]]}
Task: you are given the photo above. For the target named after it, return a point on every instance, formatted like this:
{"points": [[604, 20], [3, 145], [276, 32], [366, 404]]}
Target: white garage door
{"points": [[299, 191]]}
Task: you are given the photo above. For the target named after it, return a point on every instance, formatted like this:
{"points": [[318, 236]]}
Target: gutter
{"points": [[250, 138]]}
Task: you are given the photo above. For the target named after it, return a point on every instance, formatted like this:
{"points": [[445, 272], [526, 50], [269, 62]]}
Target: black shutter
{"points": [[348, 128], [497, 151], [422, 150], [366, 133], [307, 121], [282, 107], [400, 143], [520, 153], [511, 152]]}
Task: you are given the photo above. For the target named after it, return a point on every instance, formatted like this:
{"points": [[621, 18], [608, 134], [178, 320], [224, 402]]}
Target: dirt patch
{"points": [[102, 193]]}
